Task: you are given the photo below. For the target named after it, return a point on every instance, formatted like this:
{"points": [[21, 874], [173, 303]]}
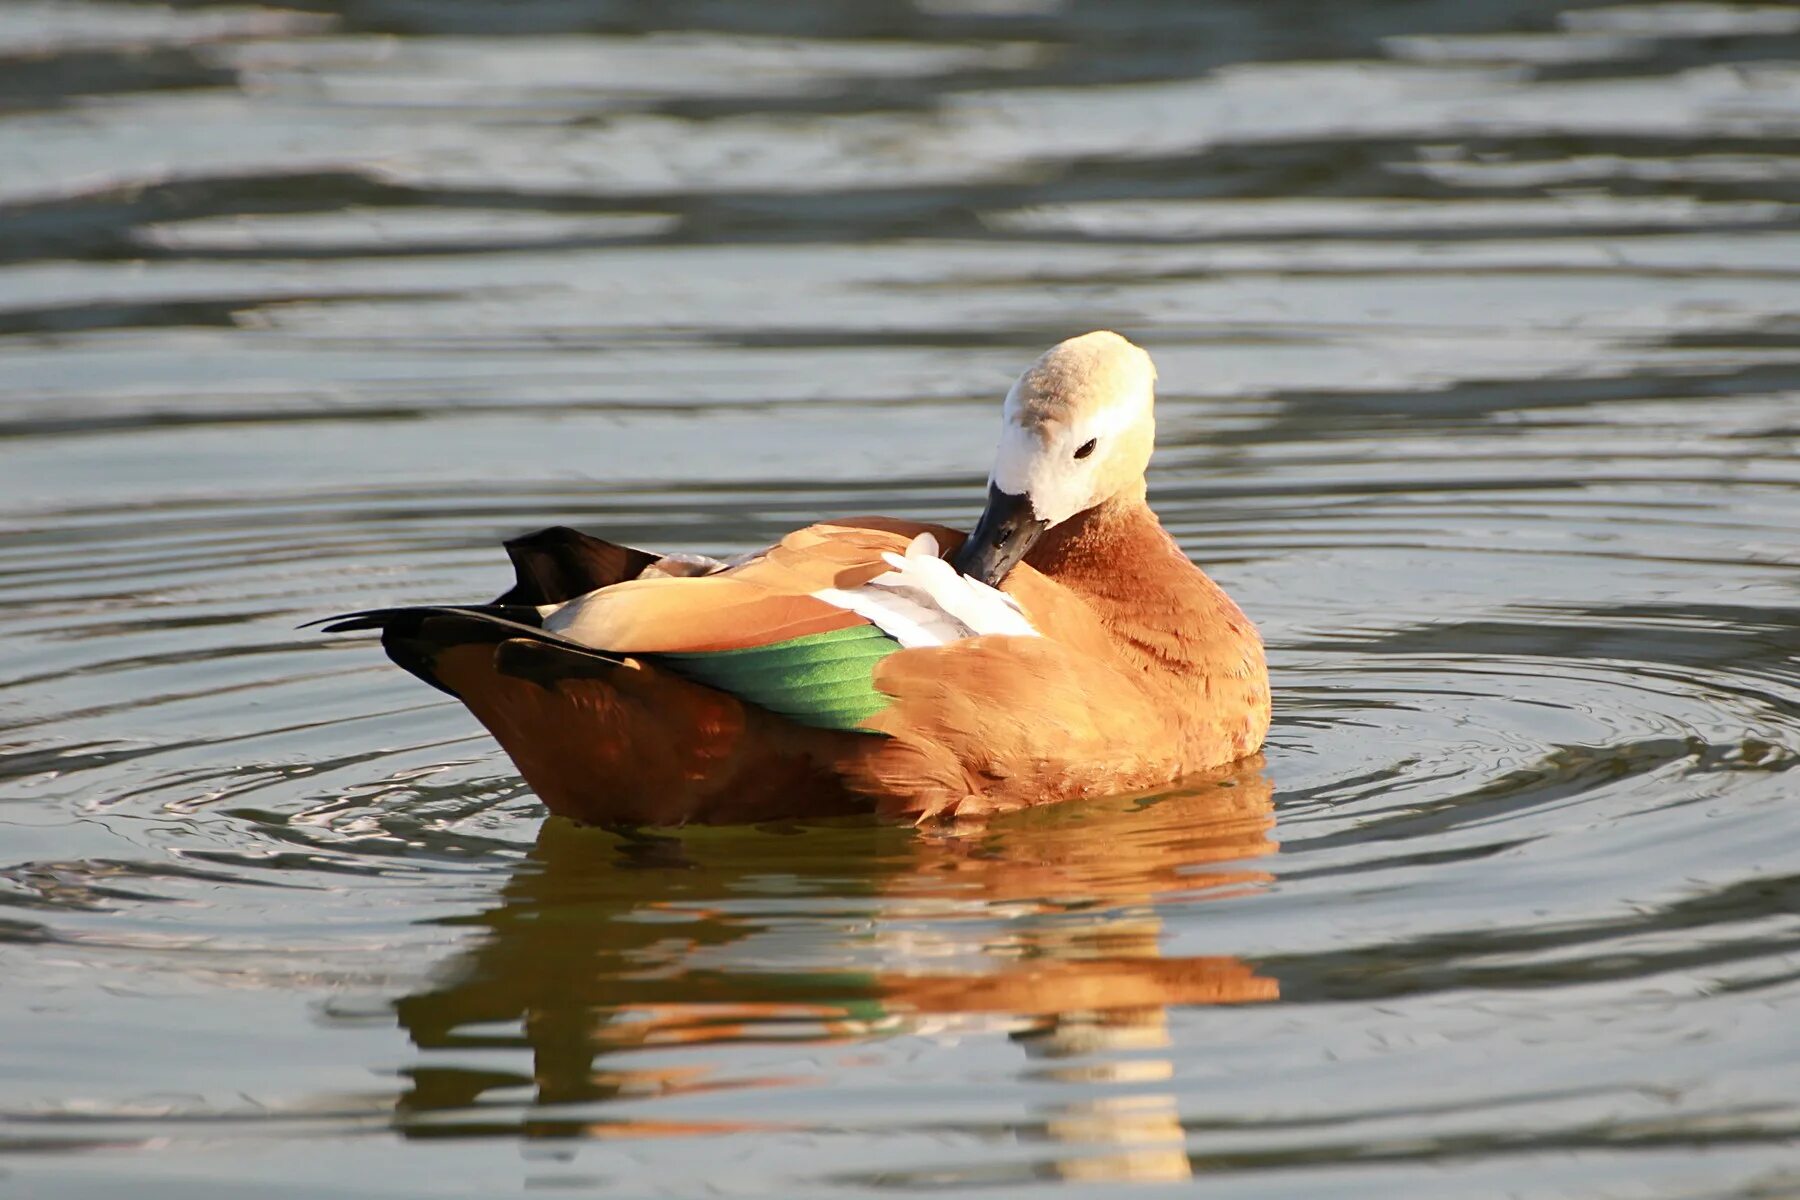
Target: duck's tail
{"points": [[602, 737], [416, 637], [551, 566]]}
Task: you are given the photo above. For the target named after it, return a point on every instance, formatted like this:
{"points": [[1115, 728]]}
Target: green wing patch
{"points": [[824, 679]]}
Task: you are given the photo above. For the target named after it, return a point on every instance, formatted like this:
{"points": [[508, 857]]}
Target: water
{"points": [[1480, 352]]}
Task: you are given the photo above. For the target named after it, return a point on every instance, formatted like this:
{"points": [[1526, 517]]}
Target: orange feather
{"points": [[1144, 671], [1103, 703]]}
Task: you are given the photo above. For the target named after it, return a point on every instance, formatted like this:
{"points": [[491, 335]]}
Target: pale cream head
{"points": [[1078, 427]]}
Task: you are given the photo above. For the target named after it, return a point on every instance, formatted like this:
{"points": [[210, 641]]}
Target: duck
{"points": [[1065, 647]]}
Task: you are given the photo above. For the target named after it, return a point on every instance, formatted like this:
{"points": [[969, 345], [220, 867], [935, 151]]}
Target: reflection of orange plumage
{"points": [[1046, 925], [1117, 962], [1086, 985], [1114, 848]]}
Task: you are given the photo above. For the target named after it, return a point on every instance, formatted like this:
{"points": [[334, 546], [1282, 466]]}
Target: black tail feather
{"points": [[552, 565], [413, 637], [521, 618], [559, 563]]}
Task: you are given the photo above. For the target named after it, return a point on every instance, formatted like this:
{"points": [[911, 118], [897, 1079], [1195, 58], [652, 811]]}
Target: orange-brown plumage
{"points": [[1144, 670], [1138, 681], [636, 745]]}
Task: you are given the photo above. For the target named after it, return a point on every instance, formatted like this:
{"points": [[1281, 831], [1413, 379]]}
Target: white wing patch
{"points": [[924, 601]]}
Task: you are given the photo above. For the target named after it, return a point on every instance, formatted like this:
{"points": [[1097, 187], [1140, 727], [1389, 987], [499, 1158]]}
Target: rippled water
{"points": [[1479, 331]]}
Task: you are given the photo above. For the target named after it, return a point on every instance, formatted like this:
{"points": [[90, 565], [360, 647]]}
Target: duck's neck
{"points": [[1163, 609]]}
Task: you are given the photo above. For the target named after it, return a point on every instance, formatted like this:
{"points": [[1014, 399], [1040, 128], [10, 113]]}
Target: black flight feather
{"points": [[559, 563]]}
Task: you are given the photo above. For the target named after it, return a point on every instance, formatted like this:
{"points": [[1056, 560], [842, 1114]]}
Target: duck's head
{"points": [[1076, 433]]}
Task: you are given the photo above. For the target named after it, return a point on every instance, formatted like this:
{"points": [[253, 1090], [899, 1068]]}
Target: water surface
{"points": [[1480, 360]]}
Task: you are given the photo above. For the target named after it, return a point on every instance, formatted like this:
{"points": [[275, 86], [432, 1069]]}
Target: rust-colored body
{"points": [[1146, 672]]}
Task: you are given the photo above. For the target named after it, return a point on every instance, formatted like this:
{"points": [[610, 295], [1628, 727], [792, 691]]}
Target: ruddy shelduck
{"points": [[1066, 647]]}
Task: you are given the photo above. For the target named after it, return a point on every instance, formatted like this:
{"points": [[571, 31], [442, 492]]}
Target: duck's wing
{"points": [[799, 629], [817, 580]]}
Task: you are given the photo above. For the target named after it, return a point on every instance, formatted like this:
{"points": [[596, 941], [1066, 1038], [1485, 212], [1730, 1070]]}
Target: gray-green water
{"points": [[1479, 331]]}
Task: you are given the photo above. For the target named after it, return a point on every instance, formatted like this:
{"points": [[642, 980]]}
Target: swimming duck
{"points": [[1066, 647]]}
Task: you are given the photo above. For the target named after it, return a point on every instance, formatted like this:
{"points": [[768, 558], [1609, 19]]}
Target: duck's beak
{"points": [[1007, 529]]}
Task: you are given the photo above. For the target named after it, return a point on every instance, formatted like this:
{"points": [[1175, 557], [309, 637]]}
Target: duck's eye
{"points": [[1086, 448]]}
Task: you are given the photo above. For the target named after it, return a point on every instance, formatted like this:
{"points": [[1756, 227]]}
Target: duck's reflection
{"points": [[1046, 927]]}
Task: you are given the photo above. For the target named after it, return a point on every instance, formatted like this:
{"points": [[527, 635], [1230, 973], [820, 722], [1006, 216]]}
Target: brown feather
{"points": [[636, 745], [767, 599], [1146, 672], [714, 612]]}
